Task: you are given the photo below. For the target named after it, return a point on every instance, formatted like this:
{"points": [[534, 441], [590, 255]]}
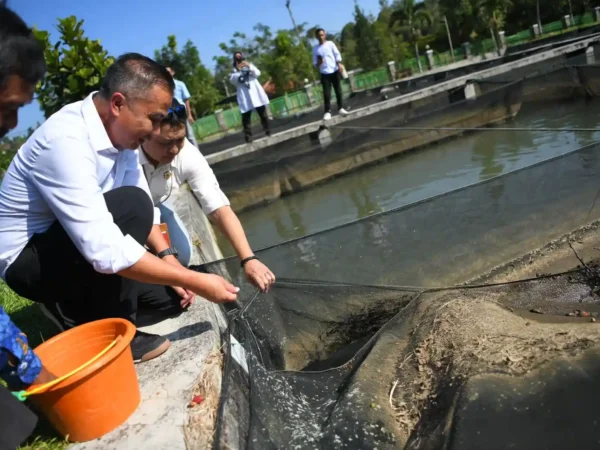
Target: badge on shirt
{"points": [[167, 175]]}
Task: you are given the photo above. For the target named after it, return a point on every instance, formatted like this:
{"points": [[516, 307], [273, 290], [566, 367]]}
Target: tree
{"points": [[75, 66], [188, 68], [283, 57], [348, 47], [368, 50], [413, 20], [493, 14], [9, 147]]}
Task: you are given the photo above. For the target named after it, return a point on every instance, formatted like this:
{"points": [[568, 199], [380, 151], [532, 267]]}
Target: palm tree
{"points": [[413, 21], [493, 13]]}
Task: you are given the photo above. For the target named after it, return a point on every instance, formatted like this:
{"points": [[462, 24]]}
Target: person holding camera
{"points": [[250, 94]]}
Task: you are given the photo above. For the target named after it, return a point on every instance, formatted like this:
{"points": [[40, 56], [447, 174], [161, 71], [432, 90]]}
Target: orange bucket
{"points": [[101, 396]]}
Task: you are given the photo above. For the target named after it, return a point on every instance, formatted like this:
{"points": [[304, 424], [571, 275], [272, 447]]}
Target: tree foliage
{"points": [[283, 57], [188, 68], [75, 63]]}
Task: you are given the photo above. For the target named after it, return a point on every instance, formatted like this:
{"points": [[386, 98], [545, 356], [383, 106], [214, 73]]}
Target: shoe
{"points": [[343, 112], [327, 116], [146, 346], [248, 139], [268, 133], [54, 312]]}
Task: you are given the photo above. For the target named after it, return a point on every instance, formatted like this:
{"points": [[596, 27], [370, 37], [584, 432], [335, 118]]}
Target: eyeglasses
{"points": [[179, 112]]}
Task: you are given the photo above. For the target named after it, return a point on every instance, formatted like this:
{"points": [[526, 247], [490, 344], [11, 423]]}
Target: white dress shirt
{"points": [[252, 97], [331, 57], [61, 173], [188, 166]]}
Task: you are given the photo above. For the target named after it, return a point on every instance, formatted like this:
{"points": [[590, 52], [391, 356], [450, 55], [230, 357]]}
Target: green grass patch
{"points": [[29, 318]]}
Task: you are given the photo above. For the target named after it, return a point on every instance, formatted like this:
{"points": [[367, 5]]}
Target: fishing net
{"points": [[362, 344], [287, 167]]}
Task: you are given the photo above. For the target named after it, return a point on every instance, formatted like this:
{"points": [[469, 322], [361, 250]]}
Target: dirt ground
{"points": [[505, 329]]}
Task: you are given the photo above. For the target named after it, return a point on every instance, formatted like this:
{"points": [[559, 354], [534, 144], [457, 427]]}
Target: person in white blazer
{"points": [[250, 94]]}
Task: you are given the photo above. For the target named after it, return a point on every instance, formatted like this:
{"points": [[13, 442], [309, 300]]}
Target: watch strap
{"points": [[167, 252]]}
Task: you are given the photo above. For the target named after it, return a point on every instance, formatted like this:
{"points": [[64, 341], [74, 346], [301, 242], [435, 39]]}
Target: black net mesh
{"points": [[355, 347], [254, 178]]}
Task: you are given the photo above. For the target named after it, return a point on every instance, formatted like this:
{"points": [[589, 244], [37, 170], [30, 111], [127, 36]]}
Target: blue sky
{"points": [[142, 26]]}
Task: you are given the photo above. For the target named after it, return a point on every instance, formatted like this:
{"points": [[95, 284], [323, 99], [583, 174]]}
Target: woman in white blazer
{"points": [[250, 94]]}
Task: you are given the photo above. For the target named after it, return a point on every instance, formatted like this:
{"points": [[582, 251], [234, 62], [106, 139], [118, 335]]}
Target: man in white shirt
{"points": [[75, 211], [169, 160], [328, 59]]}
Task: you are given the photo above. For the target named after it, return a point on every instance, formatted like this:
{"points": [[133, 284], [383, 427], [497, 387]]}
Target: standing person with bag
{"points": [[250, 94], [328, 59]]}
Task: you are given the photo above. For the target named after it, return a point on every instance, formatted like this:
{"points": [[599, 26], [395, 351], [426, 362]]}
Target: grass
{"points": [[29, 318]]}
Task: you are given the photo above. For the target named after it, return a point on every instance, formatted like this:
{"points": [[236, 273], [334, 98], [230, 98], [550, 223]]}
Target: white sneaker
{"points": [[343, 112], [327, 116]]}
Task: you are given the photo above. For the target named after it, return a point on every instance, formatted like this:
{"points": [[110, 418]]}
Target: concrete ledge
{"points": [[417, 95], [167, 384]]}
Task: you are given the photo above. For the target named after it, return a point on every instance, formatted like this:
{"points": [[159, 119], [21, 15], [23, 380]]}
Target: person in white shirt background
{"points": [[169, 160], [182, 94], [76, 212], [328, 59], [250, 94]]}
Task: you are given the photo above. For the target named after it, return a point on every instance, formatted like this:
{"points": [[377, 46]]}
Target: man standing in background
{"points": [[182, 94], [328, 59]]}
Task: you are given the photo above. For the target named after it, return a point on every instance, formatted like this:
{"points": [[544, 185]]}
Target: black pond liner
{"points": [[301, 371]]}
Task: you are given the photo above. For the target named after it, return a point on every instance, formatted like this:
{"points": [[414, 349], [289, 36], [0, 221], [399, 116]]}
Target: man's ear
{"points": [[117, 103]]}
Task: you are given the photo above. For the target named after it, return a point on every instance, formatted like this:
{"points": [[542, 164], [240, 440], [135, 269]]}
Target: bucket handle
{"points": [[22, 395]]}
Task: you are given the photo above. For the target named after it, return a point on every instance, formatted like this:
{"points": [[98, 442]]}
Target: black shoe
{"points": [[146, 346], [268, 132]]}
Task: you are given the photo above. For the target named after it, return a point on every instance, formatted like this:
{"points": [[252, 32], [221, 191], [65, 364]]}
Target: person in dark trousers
{"points": [[250, 94], [328, 59], [21, 67], [76, 214]]}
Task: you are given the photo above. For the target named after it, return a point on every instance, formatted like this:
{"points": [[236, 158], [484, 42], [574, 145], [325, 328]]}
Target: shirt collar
{"points": [[143, 158], [95, 128]]}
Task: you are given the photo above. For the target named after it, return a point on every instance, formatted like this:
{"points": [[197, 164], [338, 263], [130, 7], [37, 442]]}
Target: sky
{"points": [[143, 26]]}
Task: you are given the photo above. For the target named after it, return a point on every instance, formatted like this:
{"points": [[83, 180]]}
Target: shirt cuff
{"points": [[156, 216], [132, 252], [217, 200]]}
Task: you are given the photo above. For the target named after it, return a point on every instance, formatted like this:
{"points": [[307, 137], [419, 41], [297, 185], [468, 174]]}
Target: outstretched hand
{"points": [[259, 275], [214, 288]]}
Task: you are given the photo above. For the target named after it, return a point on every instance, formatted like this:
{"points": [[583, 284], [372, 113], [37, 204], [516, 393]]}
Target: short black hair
{"points": [[174, 120], [21, 54], [134, 75], [317, 31]]}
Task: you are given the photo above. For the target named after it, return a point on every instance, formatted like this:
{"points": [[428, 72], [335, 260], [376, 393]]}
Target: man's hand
{"points": [[44, 377], [187, 296], [214, 288], [340, 67], [259, 275]]}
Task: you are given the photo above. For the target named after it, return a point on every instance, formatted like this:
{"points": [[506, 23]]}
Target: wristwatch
{"points": [[167, 252]]}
